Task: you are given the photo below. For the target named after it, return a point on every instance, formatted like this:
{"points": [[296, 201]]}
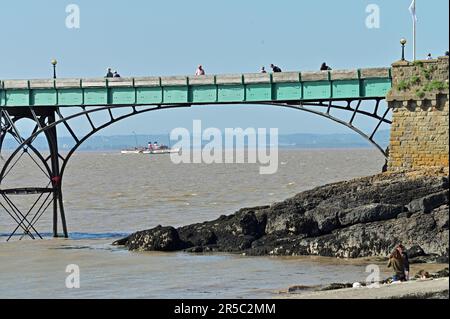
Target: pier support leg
{"points": [[56, 178]]}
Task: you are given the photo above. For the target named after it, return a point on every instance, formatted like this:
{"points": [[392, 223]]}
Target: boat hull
{"points": [[155, 152]]}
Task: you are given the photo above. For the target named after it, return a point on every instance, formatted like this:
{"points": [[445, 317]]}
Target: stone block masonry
{"points": [[420, 125]]}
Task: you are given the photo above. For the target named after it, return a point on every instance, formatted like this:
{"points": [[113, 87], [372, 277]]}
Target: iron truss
{"points": [[53, 165]]}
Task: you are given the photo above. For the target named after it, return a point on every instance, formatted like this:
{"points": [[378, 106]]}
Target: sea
{"points": [[108, 195]]}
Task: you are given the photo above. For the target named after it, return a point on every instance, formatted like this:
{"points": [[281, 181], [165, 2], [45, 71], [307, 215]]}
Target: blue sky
{"points": [[143, 37]]}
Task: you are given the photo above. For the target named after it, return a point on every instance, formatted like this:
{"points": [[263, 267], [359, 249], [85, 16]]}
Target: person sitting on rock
{"points": [[396, 262]]}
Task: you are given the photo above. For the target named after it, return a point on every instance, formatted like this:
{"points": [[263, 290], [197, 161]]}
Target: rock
{"points": [[156, 239], [429, 259], [250, 225], [196, 249], [198, 237], [441, 217], [379, 238], [441, 274], [421, 260], [404, 215], [442, 259], [364, 217], [322, 220], [415, 251], [291, 224], [301, 288], [428, 203], [369, 213], [121, 242], [228, 234], [336, 286]]}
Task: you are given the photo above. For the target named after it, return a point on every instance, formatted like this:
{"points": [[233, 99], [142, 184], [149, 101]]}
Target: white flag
{"points": [[412, 9]]}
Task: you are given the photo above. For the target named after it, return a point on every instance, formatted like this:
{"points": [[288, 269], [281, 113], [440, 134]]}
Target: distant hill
{"points": [[300, 140], [332, 140]]}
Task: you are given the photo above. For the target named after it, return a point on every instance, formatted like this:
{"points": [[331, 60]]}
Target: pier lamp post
{"points": [[54, 63], [403, 42]]}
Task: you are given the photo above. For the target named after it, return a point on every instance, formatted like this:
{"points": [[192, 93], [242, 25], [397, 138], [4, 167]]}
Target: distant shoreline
{"points": [[294, 141], [284, 148]]}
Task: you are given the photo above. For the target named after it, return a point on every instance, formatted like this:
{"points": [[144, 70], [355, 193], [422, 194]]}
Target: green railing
{"points": [[214, 89]]}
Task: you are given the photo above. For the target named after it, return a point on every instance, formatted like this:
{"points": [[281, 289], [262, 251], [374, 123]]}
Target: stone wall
{"points": [[420, 128]]}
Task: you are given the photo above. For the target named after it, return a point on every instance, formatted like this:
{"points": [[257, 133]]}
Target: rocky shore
{"points": [[358, 218]]}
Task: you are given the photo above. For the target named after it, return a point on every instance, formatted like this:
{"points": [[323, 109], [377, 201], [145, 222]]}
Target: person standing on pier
{"points": [[200, 71], [109, 73]]}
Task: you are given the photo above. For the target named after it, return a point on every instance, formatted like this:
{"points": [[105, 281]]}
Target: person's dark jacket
{"points": [[405, 261], [276, 69]]}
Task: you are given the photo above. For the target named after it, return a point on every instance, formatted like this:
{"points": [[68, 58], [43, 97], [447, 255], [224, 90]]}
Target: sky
{"points": [[171, 37]]}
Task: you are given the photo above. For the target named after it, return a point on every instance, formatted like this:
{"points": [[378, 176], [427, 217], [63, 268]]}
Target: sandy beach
{"points": [[420, 289], [413, 289]]}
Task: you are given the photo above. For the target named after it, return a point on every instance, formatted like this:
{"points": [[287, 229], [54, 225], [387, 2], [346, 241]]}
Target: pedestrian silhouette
{"points": [[324, 67], [200, 71], [109, 73], [275, 68]]}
